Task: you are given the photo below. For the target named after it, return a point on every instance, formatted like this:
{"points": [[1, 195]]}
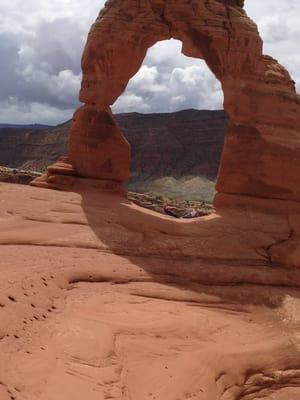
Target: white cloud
{"points": [[21, 112], [130, 102], [171, 83], [41, 42], [279, 25]]}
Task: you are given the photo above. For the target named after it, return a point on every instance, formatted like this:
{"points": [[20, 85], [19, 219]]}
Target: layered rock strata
{"points": [[174, 154]]}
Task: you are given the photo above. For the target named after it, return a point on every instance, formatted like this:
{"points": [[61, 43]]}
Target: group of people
{"points": [[171, 211]]}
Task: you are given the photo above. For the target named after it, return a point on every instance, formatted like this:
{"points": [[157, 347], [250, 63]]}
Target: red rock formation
{"points": [[151, 326], [97, 147], [261, 155]]}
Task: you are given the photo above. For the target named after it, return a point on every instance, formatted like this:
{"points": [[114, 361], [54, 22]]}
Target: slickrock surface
{"points": [[101, 299]]}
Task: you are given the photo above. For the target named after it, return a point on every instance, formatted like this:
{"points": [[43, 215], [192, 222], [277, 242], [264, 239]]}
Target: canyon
{"points": [[176, 154]]}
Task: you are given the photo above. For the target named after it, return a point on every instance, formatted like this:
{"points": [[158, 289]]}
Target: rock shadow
{"points": [[223, 255]]}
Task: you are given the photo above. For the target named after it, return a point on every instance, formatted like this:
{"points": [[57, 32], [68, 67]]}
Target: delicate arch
{"points": [[261, 145]]}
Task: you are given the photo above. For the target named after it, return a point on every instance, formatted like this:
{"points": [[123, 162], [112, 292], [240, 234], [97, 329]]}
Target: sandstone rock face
{"points": [[261, 157], [262, 152], [97, 146]]}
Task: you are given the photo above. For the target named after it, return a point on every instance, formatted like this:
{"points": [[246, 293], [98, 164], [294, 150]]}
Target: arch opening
{"points": [[177, 130]]}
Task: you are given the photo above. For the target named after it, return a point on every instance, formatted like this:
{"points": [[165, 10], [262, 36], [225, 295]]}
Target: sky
{"points": [[41, 43]]}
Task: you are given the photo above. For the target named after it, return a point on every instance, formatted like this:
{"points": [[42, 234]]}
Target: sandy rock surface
{"points": [[101, 299]]}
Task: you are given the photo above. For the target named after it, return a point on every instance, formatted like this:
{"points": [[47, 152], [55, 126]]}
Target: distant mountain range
{"points": [[175, 154], [33, 126]]}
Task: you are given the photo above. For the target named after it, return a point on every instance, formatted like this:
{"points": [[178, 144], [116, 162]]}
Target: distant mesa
{"points": [[30, 126], [173, 154]]}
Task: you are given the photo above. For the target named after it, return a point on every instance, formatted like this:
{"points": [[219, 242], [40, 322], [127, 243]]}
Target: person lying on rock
{"points": [[192, 213], [171, 211]]}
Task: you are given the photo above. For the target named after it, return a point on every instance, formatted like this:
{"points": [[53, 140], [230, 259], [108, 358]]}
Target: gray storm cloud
{"points": [[40, 51]]}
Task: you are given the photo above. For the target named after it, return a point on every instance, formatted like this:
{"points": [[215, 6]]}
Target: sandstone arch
{"points": [[262, 153]]}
